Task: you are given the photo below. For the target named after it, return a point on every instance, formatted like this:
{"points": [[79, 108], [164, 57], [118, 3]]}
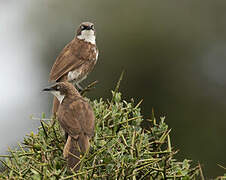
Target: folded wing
{"points": [[67, 60]]}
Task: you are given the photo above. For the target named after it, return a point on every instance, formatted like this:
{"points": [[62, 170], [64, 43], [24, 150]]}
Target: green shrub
{"points": [[120, 149]]}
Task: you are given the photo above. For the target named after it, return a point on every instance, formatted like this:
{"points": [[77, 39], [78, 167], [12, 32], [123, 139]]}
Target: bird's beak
{"points": [[88, 28], [48, 89]]}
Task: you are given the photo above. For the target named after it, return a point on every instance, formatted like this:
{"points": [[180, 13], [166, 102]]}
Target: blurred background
{"points": [[174, 54]]}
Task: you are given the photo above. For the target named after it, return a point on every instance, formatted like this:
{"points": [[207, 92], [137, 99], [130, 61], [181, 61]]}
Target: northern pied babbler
{"points": [[76, 117], [76, 60]]}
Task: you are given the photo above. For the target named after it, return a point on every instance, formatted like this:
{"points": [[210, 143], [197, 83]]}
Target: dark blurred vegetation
{"points": [[173, 53]]}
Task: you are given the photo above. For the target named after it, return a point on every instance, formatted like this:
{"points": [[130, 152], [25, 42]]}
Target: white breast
{"points": [[73, 75], [58, 96], [88, 36], [96, 52]]}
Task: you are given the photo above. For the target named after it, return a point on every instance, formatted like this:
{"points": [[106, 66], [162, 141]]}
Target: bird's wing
{"points": [[69, 59], [78, 118]]}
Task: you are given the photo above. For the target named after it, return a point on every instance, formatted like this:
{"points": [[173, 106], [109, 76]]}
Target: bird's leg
{"points": [[80, 88]]}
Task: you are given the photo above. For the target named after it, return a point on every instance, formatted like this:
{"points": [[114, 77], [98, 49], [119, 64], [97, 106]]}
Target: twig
{"points": [[46, 135], [117, 86], [88, 88], [201, 173]]}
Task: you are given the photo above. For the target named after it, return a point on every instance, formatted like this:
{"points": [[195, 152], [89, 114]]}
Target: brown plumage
{"points": [[76, 117], [76, 60]]}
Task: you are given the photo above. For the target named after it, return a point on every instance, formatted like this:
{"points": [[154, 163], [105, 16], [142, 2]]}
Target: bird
{"points": [[77, 119], [76, 60]]}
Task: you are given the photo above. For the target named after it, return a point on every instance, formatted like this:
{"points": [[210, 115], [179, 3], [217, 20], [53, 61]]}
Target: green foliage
{"points": [[120, 149]]}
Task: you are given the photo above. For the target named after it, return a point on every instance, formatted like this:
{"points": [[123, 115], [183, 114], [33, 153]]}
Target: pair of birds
{"points": [[73, 112]]}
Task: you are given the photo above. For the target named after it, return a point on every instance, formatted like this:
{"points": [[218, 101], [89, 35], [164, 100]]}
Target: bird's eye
{"points": [[83, 27]]}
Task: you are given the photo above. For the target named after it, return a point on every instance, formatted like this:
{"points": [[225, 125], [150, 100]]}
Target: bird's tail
{"points": [[74, 149]]}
